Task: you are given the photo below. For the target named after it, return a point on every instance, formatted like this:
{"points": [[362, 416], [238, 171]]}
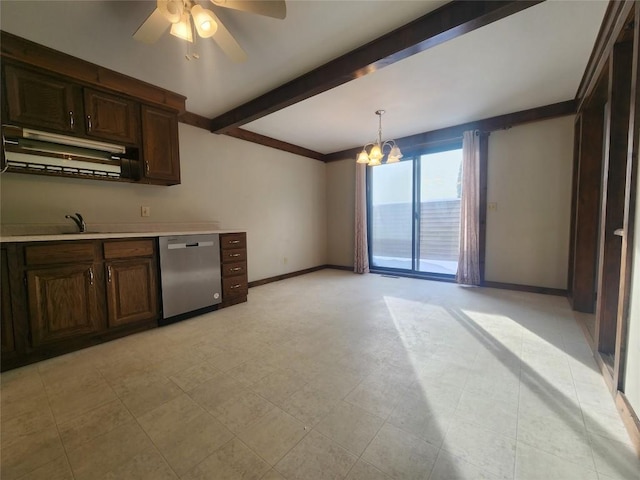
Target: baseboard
{"points": [[340, 267], [526, 288], [629, 418], [284, 276]]}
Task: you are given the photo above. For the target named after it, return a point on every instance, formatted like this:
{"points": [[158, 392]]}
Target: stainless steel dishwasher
{"points": [[190, 273]]}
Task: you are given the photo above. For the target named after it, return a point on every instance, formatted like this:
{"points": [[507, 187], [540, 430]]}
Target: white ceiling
{"points": [[533, 58]]}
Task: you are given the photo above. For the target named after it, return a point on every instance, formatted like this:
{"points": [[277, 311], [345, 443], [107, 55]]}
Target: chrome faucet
{"points": [[79, 221]]}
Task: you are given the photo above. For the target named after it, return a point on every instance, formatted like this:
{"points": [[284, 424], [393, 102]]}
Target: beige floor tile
{"points": [[145, 391], [217, 391], [146, 465], [449, 467], [272, 475], [378, 399], [241, 410], [232, 461], [73, 403], [532, 463], [364, 471], [614, 459], [14, 428], [186, 442], [316, 457], [278, 386], [310, 405], [94, 423], [498, 415], [252, 371], [194, 376], [273, 435], [57, 469], [400, 454], [27, 452], [489, 451], [104, 454], [350, 427]]}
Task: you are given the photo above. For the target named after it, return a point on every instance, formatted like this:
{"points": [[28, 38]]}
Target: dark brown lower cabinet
{"points": [[6, 313], [132, 292], [63, 303]]}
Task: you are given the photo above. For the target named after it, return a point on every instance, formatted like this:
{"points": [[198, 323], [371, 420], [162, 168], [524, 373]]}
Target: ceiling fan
{"points": [[179, 15]]}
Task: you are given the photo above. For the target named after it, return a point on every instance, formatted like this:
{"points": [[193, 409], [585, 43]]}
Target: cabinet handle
{"points": [[146, 166], [236, 269], [234, 241], [237, 285], [89, 120], [72, 121], [90, 275], [109, 274], [234, 255]]}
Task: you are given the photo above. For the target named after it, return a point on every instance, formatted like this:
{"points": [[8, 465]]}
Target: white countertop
{"points": [[101, 231], [104, 235]]}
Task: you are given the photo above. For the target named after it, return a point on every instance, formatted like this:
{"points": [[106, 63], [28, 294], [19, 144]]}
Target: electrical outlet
{"points": [[145, 211]]}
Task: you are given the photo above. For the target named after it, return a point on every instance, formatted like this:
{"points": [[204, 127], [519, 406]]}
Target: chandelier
{"points": [[181, 12], [376, 153]]}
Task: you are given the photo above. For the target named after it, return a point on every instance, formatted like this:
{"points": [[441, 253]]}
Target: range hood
{"points": [[33, 151]]}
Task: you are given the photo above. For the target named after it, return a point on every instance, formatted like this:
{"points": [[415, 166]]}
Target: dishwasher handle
{"points": [[175, 246]]}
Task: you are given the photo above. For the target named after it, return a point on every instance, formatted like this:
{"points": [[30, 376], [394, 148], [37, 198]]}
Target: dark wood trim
{"points": [[629, 418], [195, 120], [526, 288], [446, 23], [284, 276], [631, 183], [340, 267], [273, 143], [614, 19], [491, 124], [30, 53]]}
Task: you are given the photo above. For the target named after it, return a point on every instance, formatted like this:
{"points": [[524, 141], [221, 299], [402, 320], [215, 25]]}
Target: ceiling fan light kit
{"points": [[374, 157], [179, 15]]}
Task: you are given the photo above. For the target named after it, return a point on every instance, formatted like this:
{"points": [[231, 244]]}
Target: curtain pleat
{"points": [[469, 259], [361, 250]]}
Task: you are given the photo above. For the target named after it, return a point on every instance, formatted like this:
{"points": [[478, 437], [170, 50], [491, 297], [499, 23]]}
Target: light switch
{"points": [[145, 211]]}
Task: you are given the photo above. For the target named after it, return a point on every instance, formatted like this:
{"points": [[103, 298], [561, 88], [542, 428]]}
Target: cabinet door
{"points": [[132, 294], [110, 117], [40, 101], [6, 320], [160, 146], [63, 303]]}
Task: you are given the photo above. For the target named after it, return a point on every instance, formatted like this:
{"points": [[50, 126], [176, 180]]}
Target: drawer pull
{"points": [[234, 255], [89, 124], [237, 285], [233, 242], [90, 275], [236, 269], [109, 274], [71, 120]]}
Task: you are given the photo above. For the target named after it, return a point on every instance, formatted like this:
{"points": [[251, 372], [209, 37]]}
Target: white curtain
{"points": [[469, 260], [361, 250]]}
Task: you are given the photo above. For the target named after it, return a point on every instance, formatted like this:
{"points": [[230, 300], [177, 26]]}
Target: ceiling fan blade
{"points": [[227, 43], [268, 8], [152, 28]]}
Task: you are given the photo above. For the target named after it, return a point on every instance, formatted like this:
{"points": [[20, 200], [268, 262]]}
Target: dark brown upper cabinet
{"points": [[41, 101], [110, 117], [160, 146]]}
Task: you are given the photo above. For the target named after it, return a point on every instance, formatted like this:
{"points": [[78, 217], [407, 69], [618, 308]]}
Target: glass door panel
{"points": [[439, 212], [391, 215]]}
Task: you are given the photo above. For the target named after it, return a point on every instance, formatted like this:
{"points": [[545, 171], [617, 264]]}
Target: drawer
{"points": [[233, 269], [235, 255], [67, 252], [233, 240], [128, 249], [234, 287]]}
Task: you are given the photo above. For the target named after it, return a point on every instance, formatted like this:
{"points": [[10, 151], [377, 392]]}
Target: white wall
{"points": [[277, 197], [341, 179], [632, 376], [529, 177]]}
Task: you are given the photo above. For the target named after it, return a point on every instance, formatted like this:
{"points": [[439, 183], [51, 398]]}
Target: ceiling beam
{"points": [[444, 135], [446, 23]]}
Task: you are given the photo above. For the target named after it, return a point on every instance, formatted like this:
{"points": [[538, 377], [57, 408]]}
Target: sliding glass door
{"points": [[414, 213]]}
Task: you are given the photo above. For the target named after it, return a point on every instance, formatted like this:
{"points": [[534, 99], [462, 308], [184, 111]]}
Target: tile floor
{"points": [[327, 376]]}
